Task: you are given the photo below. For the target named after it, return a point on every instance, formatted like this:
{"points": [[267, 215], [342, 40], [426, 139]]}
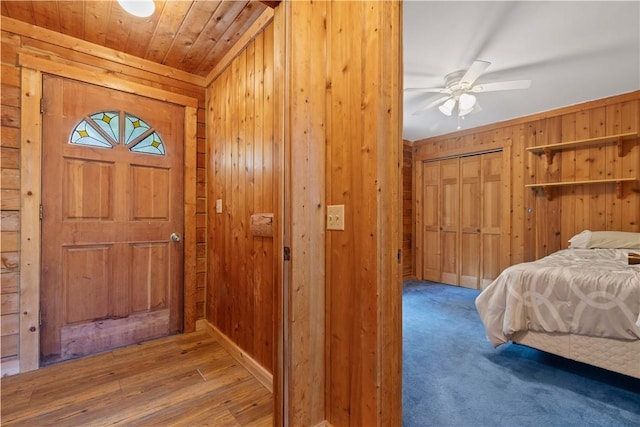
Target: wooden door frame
{"points": [[32, 68]]}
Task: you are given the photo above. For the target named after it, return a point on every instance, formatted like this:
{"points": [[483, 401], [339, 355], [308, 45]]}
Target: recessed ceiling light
{"points": [[141, 8]]}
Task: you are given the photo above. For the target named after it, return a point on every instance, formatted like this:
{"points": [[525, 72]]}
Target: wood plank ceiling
{"points": [[188, 35]]}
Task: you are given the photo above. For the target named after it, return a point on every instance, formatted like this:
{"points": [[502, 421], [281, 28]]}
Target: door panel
{"points": [[431, 219], [449, 221], [112, 197], [470, 212]]}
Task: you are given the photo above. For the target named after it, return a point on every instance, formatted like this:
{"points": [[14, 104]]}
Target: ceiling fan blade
{"points": [[472, 74], [431, 104], [428, 89], [510, 85]]}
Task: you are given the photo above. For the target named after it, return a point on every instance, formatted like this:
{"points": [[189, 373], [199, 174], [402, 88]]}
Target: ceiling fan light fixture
{"points": [[467, 102], [447, 107], [140, 8]]}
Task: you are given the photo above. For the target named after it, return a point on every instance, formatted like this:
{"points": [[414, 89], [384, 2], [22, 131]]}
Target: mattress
{"points": [[607, 353]]}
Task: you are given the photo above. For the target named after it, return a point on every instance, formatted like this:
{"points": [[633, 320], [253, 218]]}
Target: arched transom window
{"points": [[107, 129]]}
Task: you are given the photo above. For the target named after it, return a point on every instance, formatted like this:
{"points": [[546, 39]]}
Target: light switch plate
{"points": [[219, 206], [335, 217]]}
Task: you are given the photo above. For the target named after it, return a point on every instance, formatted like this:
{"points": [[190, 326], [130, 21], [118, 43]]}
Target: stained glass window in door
{"points": [[152, 144], [134, 127], [103, 130], [109, 122], [85, 134]]}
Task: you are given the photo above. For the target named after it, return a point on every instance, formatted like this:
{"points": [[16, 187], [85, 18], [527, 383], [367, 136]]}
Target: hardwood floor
{"points": [[180, 380]]}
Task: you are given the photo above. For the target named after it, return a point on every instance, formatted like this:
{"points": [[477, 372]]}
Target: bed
{"points": [[582, 303]]}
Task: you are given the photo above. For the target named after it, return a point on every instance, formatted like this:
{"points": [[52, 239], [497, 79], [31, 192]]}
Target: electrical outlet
{"points": [[335, 217], [219, 206]]}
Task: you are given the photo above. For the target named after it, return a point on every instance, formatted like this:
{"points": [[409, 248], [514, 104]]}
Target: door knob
{"points": [[175, 237]]}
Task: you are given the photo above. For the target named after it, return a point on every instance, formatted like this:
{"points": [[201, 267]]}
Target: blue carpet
{"points": [[452, 376]]}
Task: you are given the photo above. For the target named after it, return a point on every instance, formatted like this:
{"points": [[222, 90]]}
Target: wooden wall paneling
{"points": [[270, 195], [507, 236], [240, 286], [582, 171], [630, 119], [30, 244], [305, 349], [552, 133], [613, 219], [262, 327], [276, 78], [389, 285], [597, 170], [191, 298], [567, 162], [342, 66]]}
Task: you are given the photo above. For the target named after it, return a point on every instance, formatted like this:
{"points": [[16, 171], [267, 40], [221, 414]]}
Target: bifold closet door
{"points": [[462, 219]]}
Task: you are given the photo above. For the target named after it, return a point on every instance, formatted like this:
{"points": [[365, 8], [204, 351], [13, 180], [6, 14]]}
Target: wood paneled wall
{"points": [[344, 80], [18, 37], [540, 226], [242, 170], [407, 211]]}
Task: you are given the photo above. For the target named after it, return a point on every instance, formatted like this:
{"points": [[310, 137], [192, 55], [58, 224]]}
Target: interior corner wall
{"points": [[242, 181], [542, 225]]}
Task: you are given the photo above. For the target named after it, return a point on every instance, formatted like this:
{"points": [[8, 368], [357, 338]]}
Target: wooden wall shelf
{"points": [[549, 150], [547, 187]]}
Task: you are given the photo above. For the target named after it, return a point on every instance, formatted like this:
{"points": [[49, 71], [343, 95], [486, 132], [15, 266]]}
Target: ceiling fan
{"points": [[459, 90]]}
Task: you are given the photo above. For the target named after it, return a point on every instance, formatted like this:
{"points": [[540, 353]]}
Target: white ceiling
{"points": [[573, 51]]}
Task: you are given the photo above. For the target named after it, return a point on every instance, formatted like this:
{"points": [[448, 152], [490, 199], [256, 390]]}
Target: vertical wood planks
{"points": [[241, 174], [31, 144]]}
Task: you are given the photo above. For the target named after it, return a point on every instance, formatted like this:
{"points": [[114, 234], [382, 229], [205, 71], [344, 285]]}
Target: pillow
{"points": [[581, 240], [588, 239], [614, 240]]}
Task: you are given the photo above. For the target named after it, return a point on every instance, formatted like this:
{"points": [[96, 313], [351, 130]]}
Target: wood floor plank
{"points": [[187, 379]]}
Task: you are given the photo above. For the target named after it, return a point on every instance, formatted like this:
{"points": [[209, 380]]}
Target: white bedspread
{"points": [[582, 291]]}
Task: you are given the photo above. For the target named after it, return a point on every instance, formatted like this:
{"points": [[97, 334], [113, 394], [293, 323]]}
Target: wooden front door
{"points": [[112, 197]]}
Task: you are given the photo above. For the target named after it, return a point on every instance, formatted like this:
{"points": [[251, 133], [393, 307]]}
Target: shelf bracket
{"points": [[549, 154], [620, 152], [619, 189], [548, 191]]}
